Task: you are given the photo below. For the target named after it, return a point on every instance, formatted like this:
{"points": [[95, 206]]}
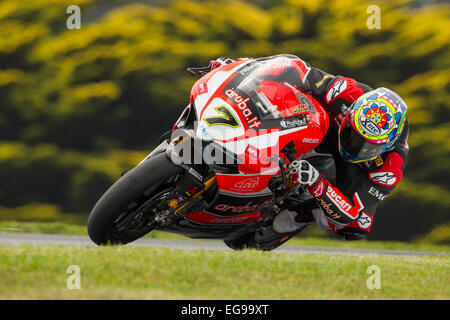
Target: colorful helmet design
{"points": [[373, 124]]}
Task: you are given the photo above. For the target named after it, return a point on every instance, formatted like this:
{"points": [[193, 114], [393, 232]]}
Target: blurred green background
{"points": [[77, 107]]}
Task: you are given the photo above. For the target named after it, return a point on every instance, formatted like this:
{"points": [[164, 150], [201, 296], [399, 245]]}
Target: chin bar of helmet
{"points": [[347, 155]]}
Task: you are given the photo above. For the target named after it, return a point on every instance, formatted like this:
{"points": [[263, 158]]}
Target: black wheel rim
{"points": [[135, 222]]}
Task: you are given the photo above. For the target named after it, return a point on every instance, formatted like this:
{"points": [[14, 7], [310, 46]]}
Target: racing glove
{"points": [[303, 172]]}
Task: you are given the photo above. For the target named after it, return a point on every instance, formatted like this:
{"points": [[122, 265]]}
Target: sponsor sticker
{"points": [[299, 109], [293, 122], [204, 132], [338, 200], [317, 191], [202, 88], [344, 108], [252, 151], [195, 173], [248, 68], [191, 191], [318, 84], [364, 221], [252, 120], [277, 64], [249, 207], [310, 140], [305, 103], [246, 184], [379, 161], [377, 194], [326, 207], [173, 203], [375, 119], [406, 145], [383, 178]]}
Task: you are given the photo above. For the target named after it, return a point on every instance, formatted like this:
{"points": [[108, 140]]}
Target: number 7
{"points": [[227, 120]]}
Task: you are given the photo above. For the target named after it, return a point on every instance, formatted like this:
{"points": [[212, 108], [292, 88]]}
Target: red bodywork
{"points": [[244, 195]]}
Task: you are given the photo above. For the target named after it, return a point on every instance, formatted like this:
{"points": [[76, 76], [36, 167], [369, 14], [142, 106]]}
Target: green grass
{"points": [[42, 227], [39, 272], [65, 228], [72, 229], [363, 244]]}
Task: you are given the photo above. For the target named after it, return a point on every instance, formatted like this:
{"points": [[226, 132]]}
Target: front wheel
{"points": [[116, 218]]}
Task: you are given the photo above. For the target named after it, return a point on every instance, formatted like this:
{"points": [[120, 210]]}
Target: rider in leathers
{"points": [[367, 169]]}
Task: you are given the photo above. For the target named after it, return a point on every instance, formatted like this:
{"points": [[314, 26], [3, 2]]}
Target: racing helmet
{"points": [[371, 125]]}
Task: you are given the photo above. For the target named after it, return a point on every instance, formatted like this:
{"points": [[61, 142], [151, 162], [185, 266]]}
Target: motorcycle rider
{"points": [[367, 140]]}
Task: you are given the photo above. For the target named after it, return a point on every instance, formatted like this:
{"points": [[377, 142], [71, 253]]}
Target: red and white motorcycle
{"points": [[222, 174]]}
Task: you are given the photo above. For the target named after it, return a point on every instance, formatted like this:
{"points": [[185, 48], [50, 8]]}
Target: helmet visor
{"points": [[356, 147]]}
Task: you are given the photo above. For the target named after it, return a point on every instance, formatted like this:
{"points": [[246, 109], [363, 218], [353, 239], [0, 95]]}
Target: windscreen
{"points": [[252, 76], [251, 86]]}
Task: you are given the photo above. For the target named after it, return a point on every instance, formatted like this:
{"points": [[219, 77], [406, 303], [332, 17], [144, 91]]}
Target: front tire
{"points": [[148, 176]]}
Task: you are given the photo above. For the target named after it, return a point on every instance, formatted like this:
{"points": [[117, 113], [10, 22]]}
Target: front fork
{"points": [[198, 179], [192, 188]]}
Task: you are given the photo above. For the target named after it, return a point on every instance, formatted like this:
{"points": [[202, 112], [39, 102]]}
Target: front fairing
{"points": [[255, 117]]}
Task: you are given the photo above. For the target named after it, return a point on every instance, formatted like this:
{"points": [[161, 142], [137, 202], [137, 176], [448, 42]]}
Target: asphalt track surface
{"points": [[11, 239]]}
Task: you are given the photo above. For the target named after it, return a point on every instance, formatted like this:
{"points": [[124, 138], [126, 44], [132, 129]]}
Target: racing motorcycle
{"points": [[221, 172]]}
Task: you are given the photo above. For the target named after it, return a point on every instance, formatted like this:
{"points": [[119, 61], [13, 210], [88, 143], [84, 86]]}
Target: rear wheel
{"points": [[119, 216]]}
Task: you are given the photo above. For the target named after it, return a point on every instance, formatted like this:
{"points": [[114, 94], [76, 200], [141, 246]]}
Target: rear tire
{"points": [[150, 174]]}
